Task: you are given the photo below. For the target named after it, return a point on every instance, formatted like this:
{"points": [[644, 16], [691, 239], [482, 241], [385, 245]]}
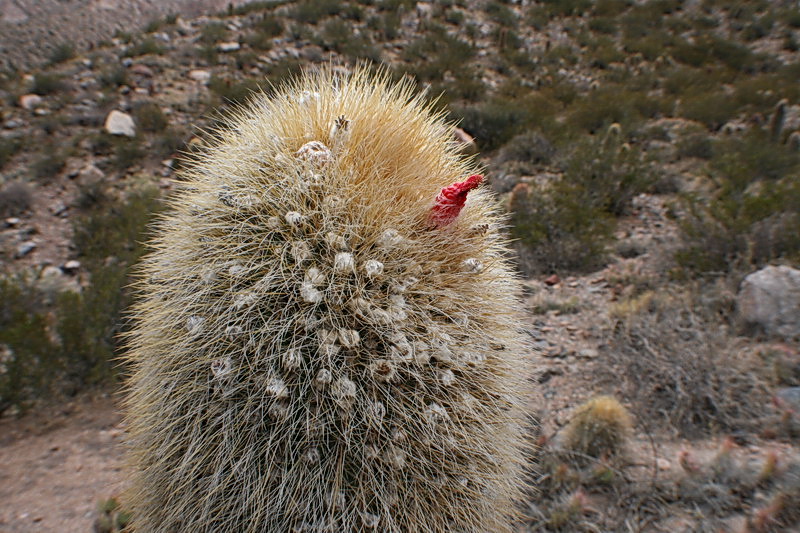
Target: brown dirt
{"points": [[55, 464]]}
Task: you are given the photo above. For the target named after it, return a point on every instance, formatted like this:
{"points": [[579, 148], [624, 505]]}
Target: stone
{"points": [[552, 280], [24, 249], [30, 101], [71, 267], [769, 299], [90, 174], [141, 70], [788, 398], [202, 76], [232, 46], [119, 123]]}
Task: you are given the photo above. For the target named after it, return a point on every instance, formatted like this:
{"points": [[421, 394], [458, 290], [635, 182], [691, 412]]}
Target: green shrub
{"points": [[213, 32], [232, 92], [61, 53], [45, 83], [753, 215], [337, 34], [15, 198], [558, 228], [145, 46], [312, 11], [127, 152], [149, 117], [9, 146], [436, 53], [608, 172], [113, 76], [48, 165], [28, 362], [500, 13]]}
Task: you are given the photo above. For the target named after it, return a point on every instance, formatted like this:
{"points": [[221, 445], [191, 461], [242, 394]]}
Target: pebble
{"points": [[30, 101], [232, 46], [588, 353], [12, 222], [25, 248], [202, 76], [71, 267]]}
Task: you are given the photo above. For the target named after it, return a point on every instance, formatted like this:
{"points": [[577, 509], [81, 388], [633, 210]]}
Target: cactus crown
{"points": [[310, 354]]}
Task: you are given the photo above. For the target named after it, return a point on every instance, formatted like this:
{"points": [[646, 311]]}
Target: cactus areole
{"points": [[327, 335]]}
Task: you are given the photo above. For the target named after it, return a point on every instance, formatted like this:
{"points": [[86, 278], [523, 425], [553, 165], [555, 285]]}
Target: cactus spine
{"points": [[318, 345]]}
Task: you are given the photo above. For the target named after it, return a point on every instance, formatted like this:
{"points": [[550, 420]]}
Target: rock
{"points": [[232, 46], [552, 280], [770, 300], [202, 76], [119, 123], [90, 174], [12, 222], [30, 101], [465, 142], [788, 398], [12, 124], [588, 353], [71, 267], [141, 70], [24, 249]]}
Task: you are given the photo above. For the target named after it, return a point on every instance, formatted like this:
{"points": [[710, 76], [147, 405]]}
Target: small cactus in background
{"points": [[600, 427], [111, 518], [328, 334], [793, 141], [777, 120]]}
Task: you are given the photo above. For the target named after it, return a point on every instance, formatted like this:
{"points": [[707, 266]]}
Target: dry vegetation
{"points": [[648, 153]]}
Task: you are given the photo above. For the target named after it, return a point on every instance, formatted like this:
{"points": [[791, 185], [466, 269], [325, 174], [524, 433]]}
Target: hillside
{"points": [[648, 154]]}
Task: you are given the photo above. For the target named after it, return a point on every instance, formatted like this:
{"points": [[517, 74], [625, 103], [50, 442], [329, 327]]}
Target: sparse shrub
{"points": [[213, 32], [9, 146], [679, 367], [312, 11], [45, 83], [436, 53], [127, 152], [145, 46], [695, 144], [27, 355], [15, 199], [48, 165], [558, 228], [149, 117], [113, 76], [61, 53], [599, 428], [232, 92], [525, 153]]}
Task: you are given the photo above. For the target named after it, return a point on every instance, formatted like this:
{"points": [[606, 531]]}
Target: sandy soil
{"points": [[56, 464]]}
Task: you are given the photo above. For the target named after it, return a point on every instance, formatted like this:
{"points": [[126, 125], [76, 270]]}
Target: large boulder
{"points": [[770, 300]]}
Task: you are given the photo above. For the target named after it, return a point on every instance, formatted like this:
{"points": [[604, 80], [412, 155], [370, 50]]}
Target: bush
{"points": [[312, 11], [15, 199], [146, 46], [526, 152], [213, 32], [149, 117], [232, 92], [46, 83], [61, 53], [610, 172], [127, 152], [47, 166], [113, 76], [436, 53], [558, 228], [9, 146], [677, 367]]}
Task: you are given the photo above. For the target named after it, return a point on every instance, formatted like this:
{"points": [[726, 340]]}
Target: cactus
{"points": [[327, 337], [777, 120], [599, 428]]}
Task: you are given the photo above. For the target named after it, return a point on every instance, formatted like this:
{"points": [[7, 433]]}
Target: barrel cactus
{"points": [[327, 337]]}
